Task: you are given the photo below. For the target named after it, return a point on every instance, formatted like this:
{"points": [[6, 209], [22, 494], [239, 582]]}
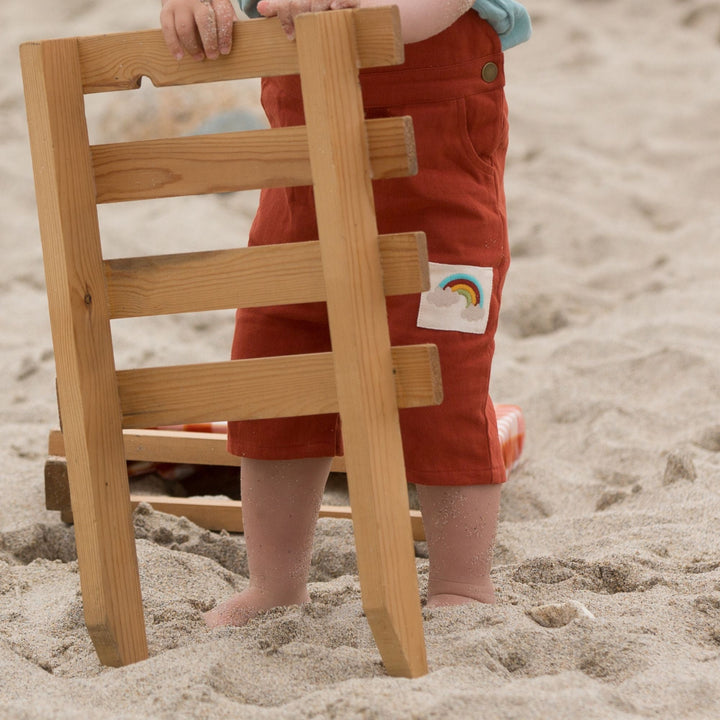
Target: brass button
{"points": [[489, 72]]}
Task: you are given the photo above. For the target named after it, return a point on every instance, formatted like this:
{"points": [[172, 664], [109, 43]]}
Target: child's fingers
{"points": [[285, 10], [206, 23], [200, 28], [265, 8], [167, 23], [225, 17], [187, 33], [288, 10]]}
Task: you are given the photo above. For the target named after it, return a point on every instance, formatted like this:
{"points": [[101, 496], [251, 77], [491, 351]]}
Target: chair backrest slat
{"points": [[228, 162], [291, 385], [225, 279], [118, 61]]}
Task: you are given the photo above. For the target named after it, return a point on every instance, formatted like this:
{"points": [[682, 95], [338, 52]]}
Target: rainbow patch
{"points": [[442, 308], [466, 286]]}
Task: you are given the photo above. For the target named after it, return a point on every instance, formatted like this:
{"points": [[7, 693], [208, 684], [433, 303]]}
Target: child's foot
{"points": [[446, 600], [446, 593], [243, 607]]}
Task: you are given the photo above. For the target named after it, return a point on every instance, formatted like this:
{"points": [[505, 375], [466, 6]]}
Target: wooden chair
{"points": [[349, 267]]}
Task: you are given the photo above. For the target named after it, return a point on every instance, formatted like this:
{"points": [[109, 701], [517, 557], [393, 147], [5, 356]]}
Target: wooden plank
{"points": [[80, 324], [169, 446], [361, 345], [228, 162], [222, 279], [57, 485], [285, 386], [211, 513], [219, 514], [260, 48]]}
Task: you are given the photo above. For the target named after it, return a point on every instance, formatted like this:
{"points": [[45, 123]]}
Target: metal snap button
{"points": [[489, 72]]}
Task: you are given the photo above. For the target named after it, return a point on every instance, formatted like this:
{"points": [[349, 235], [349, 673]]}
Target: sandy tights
{"points": [[460, 526], [281, 500]]}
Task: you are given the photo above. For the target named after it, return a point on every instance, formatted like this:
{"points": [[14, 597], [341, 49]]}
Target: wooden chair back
{"points": [[349, 267]]}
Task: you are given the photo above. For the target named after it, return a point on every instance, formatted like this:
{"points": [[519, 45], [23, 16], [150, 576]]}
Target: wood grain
{"points": [[223, 279], [80, 324], [358, 326], [364, 378], [228, 162], [172, 446], [286, 386], [119, 61]]}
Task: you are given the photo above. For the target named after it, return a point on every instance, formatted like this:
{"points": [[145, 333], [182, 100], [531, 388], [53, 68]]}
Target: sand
{"points": [[607, 563]]}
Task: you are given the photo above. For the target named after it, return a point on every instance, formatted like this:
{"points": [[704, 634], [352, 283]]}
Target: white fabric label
{"points": [[458, 299]]}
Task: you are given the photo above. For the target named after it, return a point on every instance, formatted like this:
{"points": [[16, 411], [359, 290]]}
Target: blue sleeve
{"points": [[249, 8], [509, 18]]}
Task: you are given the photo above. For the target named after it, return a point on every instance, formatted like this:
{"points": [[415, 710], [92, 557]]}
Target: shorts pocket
{"points": [[483, 126]]}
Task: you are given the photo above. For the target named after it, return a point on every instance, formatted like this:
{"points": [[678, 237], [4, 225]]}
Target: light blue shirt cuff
{"points": [[249, 7], [509, 18]]}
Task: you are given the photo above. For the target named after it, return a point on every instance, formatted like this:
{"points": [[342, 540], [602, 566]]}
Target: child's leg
{"points": [[281, 500], [460, 526]]}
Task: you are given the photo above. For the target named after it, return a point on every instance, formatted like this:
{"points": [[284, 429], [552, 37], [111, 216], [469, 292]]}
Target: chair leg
{"points": [[360, 339], [79, 318], [107, 560]]}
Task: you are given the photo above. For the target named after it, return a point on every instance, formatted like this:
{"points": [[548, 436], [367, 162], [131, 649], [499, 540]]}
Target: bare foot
{"points": [[445, 593], [243, 607], [446, 600]]}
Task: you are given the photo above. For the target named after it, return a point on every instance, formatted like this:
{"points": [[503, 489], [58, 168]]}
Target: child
{"points": [[452, 85]]}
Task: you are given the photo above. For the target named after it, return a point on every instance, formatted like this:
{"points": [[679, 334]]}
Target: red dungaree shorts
{"points": [[452, 86]]}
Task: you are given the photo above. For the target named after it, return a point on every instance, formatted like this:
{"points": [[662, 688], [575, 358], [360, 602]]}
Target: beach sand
{"points": [[607, 564]]}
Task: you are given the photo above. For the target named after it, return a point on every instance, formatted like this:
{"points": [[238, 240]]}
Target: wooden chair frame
{"points": [[184, 447], [349, 267]]}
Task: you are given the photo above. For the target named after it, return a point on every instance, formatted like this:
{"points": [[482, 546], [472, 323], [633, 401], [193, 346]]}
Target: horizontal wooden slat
{"points": [[173, 446], [211, 513], [228, 162], [216, 514], [288, 386], [260, 48], [222, 279]]}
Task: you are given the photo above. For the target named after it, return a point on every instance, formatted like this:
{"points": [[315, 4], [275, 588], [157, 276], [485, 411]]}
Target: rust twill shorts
{"points": [[452, 86]]}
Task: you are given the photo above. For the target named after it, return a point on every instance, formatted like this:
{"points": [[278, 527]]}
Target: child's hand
{"points": [[200, 28], [287, 10]]}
